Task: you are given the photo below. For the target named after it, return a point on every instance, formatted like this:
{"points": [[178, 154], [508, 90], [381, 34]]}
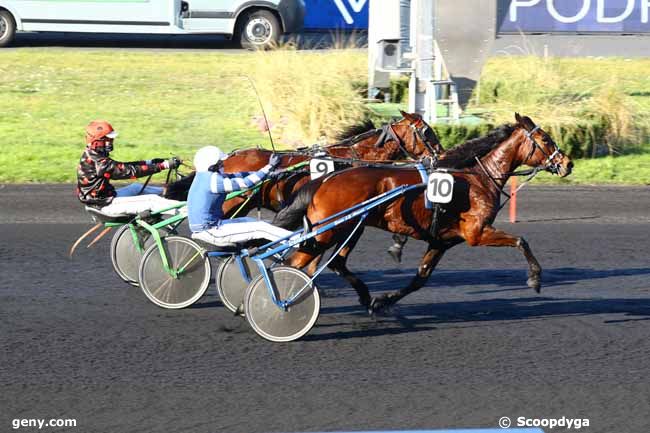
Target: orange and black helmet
{"points": [[100, 134]]}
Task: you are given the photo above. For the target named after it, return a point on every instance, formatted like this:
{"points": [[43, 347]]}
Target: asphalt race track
{"points": [[472, 346]]}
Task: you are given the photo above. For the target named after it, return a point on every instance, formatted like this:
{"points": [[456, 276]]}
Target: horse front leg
{"points": [[312, 267], [491, 237], [395, 250], [339, 266], [427, 265]]}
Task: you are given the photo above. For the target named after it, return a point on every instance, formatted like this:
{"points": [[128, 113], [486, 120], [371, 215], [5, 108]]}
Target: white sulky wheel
{"points": [[190, 285], [274, 323], [124, 254]]}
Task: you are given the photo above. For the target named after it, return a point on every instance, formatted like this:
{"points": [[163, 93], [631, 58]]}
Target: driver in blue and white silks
{"points": [[208, 193]]}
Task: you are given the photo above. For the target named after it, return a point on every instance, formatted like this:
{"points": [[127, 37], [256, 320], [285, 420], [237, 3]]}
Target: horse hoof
{"points": [[535, 284], [396, 253], [379, 306], [373, 307]]}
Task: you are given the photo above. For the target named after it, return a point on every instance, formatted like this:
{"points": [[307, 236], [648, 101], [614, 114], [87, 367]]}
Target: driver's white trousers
{"points": [[140, 203], [239, 231]]}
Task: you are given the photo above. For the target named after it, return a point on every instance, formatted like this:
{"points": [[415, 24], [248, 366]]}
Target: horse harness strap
{"points": [[492, 179], [435, 208], [424, 174], [530, 173], [388, 131]]}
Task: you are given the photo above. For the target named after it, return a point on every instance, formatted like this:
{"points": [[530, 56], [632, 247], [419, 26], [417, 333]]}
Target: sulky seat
{"points": [[100, 217], [206, 243]]}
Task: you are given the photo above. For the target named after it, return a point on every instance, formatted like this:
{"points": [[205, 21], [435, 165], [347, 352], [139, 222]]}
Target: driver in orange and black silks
{"points": [[96, 170]]}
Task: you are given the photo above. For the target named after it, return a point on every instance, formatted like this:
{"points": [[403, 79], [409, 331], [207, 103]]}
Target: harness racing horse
{"points": [[486, 164], [409, 138]]}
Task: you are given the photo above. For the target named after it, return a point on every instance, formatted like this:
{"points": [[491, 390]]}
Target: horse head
{"points": [[415, 137], [540, 150]]}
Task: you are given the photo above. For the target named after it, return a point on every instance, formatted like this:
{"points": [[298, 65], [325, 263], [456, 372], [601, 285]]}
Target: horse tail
{"points": [[291, 216], [178, 190]]}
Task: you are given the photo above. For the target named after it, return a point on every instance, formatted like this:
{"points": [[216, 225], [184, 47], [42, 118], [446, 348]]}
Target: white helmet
{"points": [[208, 156]]}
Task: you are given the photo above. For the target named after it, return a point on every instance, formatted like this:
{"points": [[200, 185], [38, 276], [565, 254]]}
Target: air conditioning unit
{"points": [[389, 55]]}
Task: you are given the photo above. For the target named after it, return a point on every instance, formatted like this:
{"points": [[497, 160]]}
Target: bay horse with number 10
{"points": [[488, 163]]}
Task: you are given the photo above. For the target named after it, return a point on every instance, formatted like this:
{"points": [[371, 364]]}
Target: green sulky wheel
{"points": [[184, 256], [274, 323]]}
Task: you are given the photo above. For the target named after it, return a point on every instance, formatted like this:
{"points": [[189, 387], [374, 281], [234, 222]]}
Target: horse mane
{"points": [[354, 130], [465, 154]]}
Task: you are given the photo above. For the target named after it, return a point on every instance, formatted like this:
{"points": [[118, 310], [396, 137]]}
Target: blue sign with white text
{"points": [[336, 14], [574, 16]]}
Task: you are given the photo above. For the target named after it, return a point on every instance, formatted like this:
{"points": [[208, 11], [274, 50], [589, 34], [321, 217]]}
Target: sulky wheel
{"points": [[230, 283], [277, 324], [185, 257], [124, 254]]}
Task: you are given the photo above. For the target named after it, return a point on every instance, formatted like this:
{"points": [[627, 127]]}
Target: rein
{"points": [[531, 173], [373, 163], [144, 186]]}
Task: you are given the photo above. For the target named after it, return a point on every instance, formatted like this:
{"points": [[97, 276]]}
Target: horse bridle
{"points": [[548, 164], [418, 132], [421, 133]]}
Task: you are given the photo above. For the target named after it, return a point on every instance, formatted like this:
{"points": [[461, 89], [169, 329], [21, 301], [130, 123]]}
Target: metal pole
{"points": [[421, 88]]}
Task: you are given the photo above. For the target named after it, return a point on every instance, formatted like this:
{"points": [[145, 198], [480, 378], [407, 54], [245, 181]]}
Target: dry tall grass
{"points": [[310, 96], [590, 94]]}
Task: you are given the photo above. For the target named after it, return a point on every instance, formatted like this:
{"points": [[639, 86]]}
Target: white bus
{"points": [[254, 23]]}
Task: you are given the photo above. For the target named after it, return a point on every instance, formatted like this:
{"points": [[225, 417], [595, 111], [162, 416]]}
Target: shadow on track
{"points": [[513, 279], [417, 318], [407, 318]]}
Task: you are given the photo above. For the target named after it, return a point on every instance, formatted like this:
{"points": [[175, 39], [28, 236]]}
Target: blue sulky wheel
{"points": [[125, 256], [231, 284], [277, 324], [194, 271]]}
